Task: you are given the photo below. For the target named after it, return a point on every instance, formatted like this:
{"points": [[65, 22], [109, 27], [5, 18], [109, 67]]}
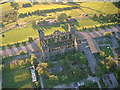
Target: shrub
{"points": [[37, 83], [17, 44], [30, 39], [2, 47], [23, 43], [9, 46], [107, 34], [21, 52], [26, 5]]}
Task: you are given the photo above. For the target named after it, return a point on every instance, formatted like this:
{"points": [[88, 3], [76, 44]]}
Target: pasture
{"points": [[41, 7]]}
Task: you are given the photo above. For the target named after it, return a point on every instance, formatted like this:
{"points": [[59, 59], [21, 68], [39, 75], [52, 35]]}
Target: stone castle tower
{"points": [[58, 43]]}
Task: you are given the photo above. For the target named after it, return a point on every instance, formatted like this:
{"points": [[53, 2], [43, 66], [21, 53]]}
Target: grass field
{"points": [[41, 7], [18, 77], [103, 7], [5, 7], [18, 34]]}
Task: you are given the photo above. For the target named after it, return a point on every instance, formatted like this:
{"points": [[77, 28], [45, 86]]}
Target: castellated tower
{"points": [[58, 43], [45, 48]]}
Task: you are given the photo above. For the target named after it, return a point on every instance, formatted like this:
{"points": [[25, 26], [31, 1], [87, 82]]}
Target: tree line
{"points": [[39, 12]]}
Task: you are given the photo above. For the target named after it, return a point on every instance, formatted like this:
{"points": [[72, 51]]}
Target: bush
{"points": [[37, 83], [107, 34], [26, 5], [30, 39], [23, 43], [21, 52], [9, 46], [3, 47], [17, 44]]}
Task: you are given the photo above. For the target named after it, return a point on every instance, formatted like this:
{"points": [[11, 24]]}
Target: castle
{"points": [[59, 43]]}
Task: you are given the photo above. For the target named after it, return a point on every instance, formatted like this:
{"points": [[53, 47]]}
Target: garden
{"points": [[72, 67], [107, 50]]}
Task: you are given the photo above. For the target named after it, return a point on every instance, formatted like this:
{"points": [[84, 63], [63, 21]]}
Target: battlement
{"points": [[58, 42]]}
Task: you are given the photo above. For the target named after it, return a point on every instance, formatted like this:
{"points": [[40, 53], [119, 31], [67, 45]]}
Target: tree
{"points": [[21, 62], [62, 17], [42, 68], [30, 39], [33, 59], [15, 5], [21, 52], [53, 77], [102, 54], [27, 60], [107, 34], [88, 83], [110, 64], [37, 83], [26, 5]]}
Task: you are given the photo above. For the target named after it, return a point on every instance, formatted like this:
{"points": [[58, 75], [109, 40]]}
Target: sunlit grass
{"points": [[41, 7], [5, 7], [103, 7], [18, 34]]}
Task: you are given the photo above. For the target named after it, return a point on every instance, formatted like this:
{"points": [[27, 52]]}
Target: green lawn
{"points": [[108, 42], [19, 34], [41, 7], [103, 7], [107, 50], [86, 23], [5, 7], [18, 77]]}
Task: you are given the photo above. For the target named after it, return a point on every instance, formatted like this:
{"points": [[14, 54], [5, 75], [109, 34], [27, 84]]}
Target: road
{"points": [[91, 60]]}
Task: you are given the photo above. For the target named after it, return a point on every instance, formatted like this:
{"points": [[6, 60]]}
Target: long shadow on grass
{"points": [[34, 46]]}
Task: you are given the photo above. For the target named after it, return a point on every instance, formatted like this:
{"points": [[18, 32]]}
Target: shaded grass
{"points": [[107, 50], [18, 77]]}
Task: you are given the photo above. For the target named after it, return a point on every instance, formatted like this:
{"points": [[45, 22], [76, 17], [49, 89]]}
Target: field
{"points": [[41, 7], [18, 77], [18, 34], [5, 7], [99, 7]]}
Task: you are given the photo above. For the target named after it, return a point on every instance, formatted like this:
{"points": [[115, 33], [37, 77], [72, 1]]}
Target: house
{"points": [[110, 80], [34, 79]]}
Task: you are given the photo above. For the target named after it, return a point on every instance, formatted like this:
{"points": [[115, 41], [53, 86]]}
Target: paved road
{"points": [[91, 60]]}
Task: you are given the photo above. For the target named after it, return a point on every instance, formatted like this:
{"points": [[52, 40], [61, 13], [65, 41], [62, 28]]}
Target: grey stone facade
{"points": [[59, 43]]}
